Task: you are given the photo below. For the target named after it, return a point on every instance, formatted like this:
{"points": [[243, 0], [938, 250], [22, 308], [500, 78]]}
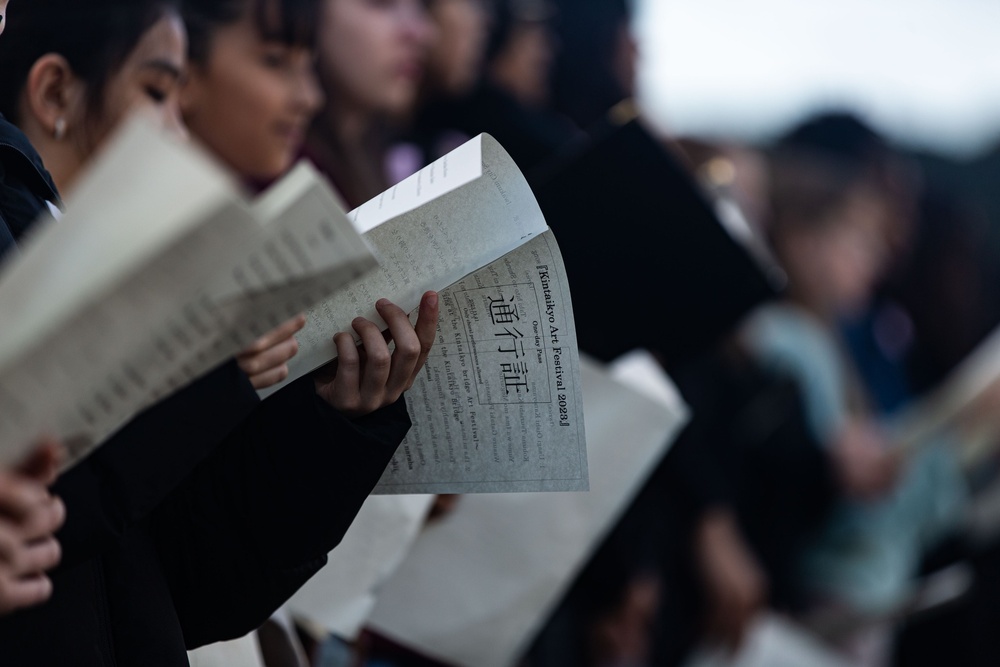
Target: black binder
{"points": [[643, 244]]}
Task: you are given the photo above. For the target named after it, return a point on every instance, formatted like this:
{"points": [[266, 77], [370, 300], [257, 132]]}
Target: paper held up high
{"points": [[497, 407], [107, 311], [481, 581]]}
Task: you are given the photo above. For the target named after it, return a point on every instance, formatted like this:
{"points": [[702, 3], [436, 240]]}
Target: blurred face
{"points": [[149, 80], [457, 53], [840, 264], [372, 53], [522, 67], [3, 15], [252, 100]]}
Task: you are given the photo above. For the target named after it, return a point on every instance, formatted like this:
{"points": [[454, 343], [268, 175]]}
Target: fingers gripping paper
{"points": [[498, 407]]}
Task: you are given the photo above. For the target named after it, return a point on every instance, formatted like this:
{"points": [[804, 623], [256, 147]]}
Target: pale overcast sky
{"points": [[925, 71]]}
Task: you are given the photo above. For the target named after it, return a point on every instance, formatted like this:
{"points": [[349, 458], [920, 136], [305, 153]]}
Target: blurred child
{"points": [[829, 230]]}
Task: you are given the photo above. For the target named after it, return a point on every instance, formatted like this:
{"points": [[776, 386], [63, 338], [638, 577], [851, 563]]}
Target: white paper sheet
{"points": [[106, 311], [480, 582], [88, 299], [308, 250], [243, 652], [303, 250], [497, 407], [427, 241], [341, 596], [773, 642]]}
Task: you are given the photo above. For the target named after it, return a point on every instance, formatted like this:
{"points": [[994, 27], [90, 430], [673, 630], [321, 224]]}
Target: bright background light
{"points": [[925, 72]]}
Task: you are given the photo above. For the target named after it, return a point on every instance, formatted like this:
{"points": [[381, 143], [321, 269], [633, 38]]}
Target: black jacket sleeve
{"points": [[258, 517], [694, 471], [142, 464]]}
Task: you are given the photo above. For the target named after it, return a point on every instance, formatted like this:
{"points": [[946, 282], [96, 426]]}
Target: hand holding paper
{"points": [[266, 361], [497, 407], [367, 378]]}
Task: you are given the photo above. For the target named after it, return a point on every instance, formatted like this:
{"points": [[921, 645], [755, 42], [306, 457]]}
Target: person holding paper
{"points": [[249, 98], [202, 515], [829, 229]]}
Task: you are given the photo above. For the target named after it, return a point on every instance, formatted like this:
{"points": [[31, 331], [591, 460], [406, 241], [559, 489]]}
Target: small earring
{"points": [[60, 129]]}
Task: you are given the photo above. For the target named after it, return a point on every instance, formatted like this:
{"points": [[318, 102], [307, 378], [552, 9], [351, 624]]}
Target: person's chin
{"points": [[280, 166], [269, 167], [400, 100]]}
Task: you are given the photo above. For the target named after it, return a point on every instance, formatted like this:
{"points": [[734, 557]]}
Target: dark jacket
{"points": [[25, 185], [223, 549], [531, 136], [201, 516]]}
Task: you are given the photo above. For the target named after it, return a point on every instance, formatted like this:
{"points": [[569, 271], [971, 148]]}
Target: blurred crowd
{"points": [[785, 493]]}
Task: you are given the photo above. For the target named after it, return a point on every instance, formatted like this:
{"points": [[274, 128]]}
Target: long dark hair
{"points": [[95, 37], [289, 21]]}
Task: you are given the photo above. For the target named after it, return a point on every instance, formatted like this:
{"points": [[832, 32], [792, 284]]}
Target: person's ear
{"points": [[53, 96]]}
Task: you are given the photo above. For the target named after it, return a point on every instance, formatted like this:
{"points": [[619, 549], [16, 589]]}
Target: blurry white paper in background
{"points": [[480, 582], [244, 652], [341, 596], [773, 642]]}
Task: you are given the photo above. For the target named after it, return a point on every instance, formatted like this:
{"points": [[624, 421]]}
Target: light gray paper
{"points": [[497, 407], [341, 596], [454, 217], [772, 641], [106, 311], [242, 652], [480, 582], [302, 250], [88, 300]]}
